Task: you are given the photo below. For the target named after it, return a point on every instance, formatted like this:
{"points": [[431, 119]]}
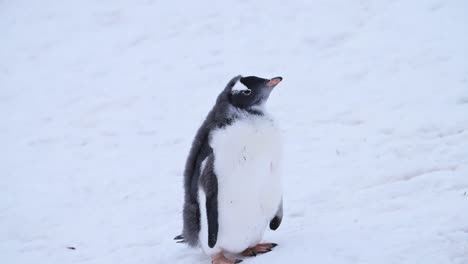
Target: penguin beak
{"points": [[273, 82]]}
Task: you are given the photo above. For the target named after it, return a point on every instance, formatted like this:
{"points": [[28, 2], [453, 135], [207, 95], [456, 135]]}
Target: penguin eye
{"points": [[247, 92]]}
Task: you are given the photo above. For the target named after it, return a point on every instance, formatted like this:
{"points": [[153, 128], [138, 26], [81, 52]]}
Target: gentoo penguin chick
{"points": [[232, 176]]}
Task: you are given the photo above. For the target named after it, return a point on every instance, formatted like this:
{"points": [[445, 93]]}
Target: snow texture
{"points": [[99, 102]]}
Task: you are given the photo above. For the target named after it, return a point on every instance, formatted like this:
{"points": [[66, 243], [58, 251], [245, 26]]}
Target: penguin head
{"points": [[250, 92]]}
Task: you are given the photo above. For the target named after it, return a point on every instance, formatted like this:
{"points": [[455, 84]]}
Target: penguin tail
{"points": [[179, 239]]}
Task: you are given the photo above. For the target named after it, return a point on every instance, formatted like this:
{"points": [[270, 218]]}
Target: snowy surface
{"points": [[99, 102]]}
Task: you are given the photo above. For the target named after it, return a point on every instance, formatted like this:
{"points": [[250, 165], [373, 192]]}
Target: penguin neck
{"points": [[258, 110], [254, 111]]}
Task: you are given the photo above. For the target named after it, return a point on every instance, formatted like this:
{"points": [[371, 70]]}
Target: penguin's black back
{"points": [[218, 117]]}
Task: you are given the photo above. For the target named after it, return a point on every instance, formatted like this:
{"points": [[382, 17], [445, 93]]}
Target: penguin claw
{"points": [[238, 261], [273, 245]]}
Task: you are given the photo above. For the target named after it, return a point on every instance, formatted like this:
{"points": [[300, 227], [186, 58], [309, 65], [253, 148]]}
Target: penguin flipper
{"points": [[209, 183], [276, 221]]}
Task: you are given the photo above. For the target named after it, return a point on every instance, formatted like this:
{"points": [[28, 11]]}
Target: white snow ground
{"points": [[99, 101]]}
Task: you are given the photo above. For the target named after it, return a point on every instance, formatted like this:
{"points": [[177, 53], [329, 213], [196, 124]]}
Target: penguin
{"points": [[232, 176]]}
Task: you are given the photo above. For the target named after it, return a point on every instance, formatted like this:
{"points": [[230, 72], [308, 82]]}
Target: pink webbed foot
{"points": [[259, 249], [221, 259]]}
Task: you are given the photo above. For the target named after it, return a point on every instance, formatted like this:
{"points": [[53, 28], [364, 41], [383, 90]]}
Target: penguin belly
{"points": [[247, 165]]}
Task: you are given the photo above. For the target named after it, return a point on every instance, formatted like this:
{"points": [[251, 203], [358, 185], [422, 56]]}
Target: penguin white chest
{"points": [[247, 165]]}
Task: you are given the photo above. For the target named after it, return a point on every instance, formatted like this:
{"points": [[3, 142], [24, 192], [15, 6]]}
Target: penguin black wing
{"points": [[209, 183], [276, 221]]}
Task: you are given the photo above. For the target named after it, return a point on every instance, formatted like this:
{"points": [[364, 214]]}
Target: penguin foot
{"points": [[221, 259], [259, 249]]}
